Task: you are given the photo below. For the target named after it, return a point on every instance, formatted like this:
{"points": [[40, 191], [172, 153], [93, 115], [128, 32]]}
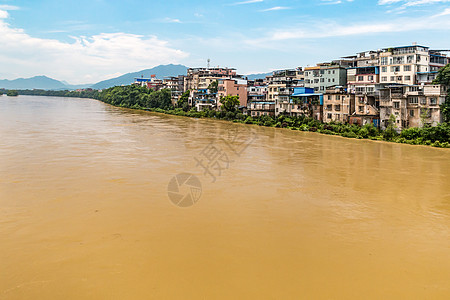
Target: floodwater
{"points": [[85, 211]]}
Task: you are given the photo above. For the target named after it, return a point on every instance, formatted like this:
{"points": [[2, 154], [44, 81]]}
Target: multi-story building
{"points": [[175, 85], [304, 102], [201, 78], [281, 86], [202, 99], [412, 106], [257, 103], [151, 83], [337, 105], [402, 64], [325, 75], [233, 87]]}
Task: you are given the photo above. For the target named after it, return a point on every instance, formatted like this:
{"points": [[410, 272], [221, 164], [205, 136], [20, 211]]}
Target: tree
{"points": [[12, 93], [390, 131], [213, 87], [183, 102], [229, 103], [443, 78]]}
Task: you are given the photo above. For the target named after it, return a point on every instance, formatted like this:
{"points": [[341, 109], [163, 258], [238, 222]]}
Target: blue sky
{"points": [[86, 41]]}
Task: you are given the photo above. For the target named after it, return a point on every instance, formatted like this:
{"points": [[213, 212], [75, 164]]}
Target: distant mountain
{"points": [[160, 72], [257, 76], [37, 82]]}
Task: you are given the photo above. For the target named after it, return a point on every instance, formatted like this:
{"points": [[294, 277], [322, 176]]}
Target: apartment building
{"points": [[337, 105], [402, 64], [201, 78], [176, 86], [151, 83], [202, 99], [281, 86], [304, 102], [233, 87], [412, 106], [325, 75]]}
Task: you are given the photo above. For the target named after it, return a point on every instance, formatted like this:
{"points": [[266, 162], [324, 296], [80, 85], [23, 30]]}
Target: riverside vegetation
{"points": [[136, 97]]}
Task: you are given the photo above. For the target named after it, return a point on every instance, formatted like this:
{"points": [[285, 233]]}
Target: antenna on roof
{"points": [[209, 62]]}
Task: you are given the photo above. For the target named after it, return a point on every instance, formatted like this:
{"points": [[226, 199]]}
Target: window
{"points": [[413, 100], [370, 77], [407, 78], [399, 78], [337, 107], [423, 101], [384, 78], [396, 105], [392, 78], [384, 61], [333, 73], [322, 79], [360, 78], [322, 72], [361, 109], [329, 97], [384, 69], [411, 113], [329, 116], [329, 107], [395, 69], [406, 68], [338, 97], [433, 101], [333, 79]]}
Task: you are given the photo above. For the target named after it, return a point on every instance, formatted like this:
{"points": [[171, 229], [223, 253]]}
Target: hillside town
{"points": [[366, 88]]}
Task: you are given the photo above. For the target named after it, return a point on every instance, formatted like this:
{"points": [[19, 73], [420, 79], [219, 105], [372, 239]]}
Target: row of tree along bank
{"points": [[89, 93], [136, 97]]}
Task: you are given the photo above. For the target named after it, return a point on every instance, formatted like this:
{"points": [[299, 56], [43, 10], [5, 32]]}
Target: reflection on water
{"points": [[84, 211]]}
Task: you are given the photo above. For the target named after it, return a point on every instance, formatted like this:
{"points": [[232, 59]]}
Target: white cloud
{"points": [[86, 59], [407, 3], [247, 2], [276, 8], [327, 29], [446, 12], [3, 14], [8, 7]]}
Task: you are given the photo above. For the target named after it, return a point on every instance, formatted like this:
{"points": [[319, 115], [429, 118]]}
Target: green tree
{"points": [[443, 78], [213, 87], [12, 93], [229, 103], [183, 102], [390, 131]]}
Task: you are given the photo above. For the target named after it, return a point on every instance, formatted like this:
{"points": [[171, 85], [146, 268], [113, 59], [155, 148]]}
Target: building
{"points": [[202, 99], [233, 87], [304, 102], [175, 85], [257, 102], [337, 105], [325, 75], [281, 86], [412, 106], [151, 83], [201, 78]]}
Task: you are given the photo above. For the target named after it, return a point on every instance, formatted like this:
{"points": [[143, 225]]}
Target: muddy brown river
{"points": [[85, 211]]}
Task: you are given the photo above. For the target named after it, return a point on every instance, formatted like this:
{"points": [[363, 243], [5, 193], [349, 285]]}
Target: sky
{"points": [[86, 41]]}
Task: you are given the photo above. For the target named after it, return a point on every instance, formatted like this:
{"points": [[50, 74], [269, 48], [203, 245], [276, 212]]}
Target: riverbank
{"points": [[135, 97]]}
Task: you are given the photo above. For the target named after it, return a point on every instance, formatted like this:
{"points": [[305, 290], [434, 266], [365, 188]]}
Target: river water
{"points": [[85, 211]]}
